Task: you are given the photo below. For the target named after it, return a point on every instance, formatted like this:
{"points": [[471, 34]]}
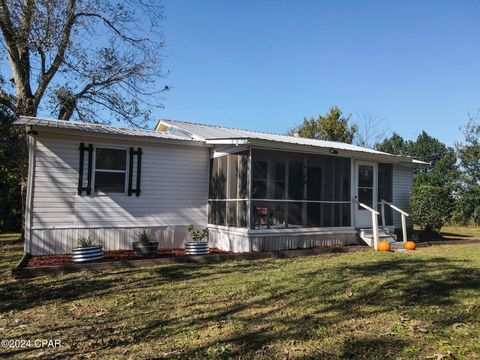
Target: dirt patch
{"points": [[108, 256]]}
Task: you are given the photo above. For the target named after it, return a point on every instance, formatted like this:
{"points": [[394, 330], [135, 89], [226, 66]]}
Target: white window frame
{"points": [[94, 170]]}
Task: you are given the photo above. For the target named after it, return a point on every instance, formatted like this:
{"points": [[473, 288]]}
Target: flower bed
{"points": [[115, 255]]}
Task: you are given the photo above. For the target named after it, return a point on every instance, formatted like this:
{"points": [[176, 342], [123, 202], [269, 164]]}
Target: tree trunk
{"points": [[26, 107]]}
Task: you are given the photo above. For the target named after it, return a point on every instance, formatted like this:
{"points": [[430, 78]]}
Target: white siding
{"points": [[402, 186], [174, 192]]}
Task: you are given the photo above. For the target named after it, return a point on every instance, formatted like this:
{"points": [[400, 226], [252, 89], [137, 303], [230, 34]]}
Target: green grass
{"points": [[357, 305]]}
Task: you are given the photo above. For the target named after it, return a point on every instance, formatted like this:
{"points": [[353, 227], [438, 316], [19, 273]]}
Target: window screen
{"points": [[301, 190], [228, 190]]}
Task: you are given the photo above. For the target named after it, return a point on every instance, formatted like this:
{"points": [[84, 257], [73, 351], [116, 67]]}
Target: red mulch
{"points": [[115, 255]]}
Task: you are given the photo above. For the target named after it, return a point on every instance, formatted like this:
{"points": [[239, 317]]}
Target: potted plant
{"points": [[87, 250], [198, 246], [145, 246]]}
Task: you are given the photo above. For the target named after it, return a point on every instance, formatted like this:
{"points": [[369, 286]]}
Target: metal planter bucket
{"points": [[145, 249], [196, 248], [89, 253]]}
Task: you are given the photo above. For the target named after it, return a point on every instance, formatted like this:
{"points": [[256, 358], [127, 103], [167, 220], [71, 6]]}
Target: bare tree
{"points": [[370, 131], [83, 58]]}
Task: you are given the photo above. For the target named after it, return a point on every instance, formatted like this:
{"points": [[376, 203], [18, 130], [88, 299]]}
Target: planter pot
{"points": [[196, 248], [145, 249], [89, 253]]}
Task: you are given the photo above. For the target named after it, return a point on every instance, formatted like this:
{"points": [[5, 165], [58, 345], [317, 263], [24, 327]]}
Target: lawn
{"points": [[460, 232], [419, 304]]}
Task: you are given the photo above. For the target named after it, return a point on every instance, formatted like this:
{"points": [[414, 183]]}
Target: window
{"points": [[110, 170], [365, 185]]}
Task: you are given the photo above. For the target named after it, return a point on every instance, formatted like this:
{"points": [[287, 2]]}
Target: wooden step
{"points": [[383, 235]]}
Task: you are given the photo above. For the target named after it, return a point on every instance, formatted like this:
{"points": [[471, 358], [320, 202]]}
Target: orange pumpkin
{"points": [[384, 246], [410, 245]]}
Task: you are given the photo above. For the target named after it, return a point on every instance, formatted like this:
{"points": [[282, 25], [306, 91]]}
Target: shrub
{"points": [[197, 234], [145, 237], [431, 206], [467, 206], [86, 241]]}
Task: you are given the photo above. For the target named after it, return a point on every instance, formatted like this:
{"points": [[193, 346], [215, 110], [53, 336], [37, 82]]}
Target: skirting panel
{"points": [[291, 241], [61, 241], [229, 240], [243, 242]]}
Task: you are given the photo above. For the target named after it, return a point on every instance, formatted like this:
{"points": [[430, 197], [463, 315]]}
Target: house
{"points": [[255, 191]]}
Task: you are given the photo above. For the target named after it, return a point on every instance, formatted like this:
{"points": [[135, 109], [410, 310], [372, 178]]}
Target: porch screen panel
{"points": [[242, 175], [385, 190], [227, 203], [222, 177], [280, 180], [315, 187], [213, 178], [221, 190], [232, 189], [302, 190], [296, 177]]}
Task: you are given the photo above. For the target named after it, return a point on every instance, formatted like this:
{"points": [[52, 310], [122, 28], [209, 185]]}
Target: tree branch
{"points": [[110, 25], [8, 32], [59, 57]]}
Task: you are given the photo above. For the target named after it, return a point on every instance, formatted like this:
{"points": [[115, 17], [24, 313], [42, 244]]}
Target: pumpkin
{"points": [[384, 246], [410, 245]]}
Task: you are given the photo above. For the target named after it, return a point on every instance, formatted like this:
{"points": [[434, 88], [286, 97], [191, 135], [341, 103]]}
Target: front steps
{"points": [[383, 235]]}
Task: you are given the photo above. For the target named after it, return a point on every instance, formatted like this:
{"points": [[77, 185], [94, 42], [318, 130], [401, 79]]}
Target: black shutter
{"points": [[133, 153], [88, 188]]}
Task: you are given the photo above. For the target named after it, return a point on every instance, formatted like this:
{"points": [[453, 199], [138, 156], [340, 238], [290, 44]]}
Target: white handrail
{"points": [[375, 214], [395, 208], [367, 207], [403, 213]]}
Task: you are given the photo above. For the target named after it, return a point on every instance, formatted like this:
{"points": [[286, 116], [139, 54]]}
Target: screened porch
{"points": [[263, 189]]}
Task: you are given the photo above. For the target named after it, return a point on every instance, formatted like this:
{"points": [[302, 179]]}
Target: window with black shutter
{"points": [[109, 170]]}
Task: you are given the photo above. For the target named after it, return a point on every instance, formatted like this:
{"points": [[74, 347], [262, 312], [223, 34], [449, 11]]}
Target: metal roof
{"points": [[213, 132], [96, 128], [188, 131]]}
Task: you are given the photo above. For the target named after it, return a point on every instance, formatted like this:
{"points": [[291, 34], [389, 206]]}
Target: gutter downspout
{"points": [[31, 143]]}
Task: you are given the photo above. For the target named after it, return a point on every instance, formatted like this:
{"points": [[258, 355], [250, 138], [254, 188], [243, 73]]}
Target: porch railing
{"points": [[402, 213], [375, 214]]}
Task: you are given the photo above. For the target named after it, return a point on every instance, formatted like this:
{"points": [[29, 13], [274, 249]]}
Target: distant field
{"points": [[421, 304]]}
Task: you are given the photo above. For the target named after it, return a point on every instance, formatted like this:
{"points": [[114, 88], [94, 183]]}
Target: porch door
{"points": [[365, 192]]}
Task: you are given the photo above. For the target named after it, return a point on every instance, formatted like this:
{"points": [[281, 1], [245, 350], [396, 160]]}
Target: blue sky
{"points": [[264, 65]]}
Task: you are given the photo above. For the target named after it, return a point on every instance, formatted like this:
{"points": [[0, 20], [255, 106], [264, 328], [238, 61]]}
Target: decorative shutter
{"points": [[138, 154], [88, 188]]}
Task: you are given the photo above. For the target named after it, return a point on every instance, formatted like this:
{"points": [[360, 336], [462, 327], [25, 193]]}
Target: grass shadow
{"points": [[372, 347]]}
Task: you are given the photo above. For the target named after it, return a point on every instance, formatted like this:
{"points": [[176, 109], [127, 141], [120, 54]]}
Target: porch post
{"points": [[249, 190], [375, 230], [404, 228], [383, 214], [249, 197]]}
